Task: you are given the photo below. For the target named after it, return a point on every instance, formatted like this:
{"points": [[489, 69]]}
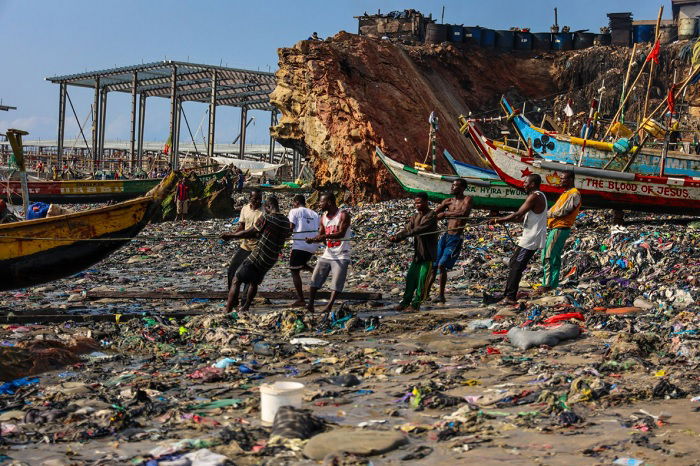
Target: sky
{"points": [[43, 38]]}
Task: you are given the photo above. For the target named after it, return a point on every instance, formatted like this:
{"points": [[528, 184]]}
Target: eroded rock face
{"points": [[341, 97]]}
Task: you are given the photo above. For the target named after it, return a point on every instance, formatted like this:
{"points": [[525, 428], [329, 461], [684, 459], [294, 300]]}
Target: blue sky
{"points": [[53, 37]]}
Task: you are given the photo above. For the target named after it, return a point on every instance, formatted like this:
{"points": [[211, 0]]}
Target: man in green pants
{"points": [[423, 227], [560, 219]]}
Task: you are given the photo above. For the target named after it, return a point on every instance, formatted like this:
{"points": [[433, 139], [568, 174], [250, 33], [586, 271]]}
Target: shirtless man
{"points": [[455, 210]]}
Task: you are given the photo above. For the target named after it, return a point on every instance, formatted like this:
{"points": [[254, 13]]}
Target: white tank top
{"points": [[336, 250], [534, 228]]}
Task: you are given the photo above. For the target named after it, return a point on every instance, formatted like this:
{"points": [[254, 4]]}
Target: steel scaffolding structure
{"points": [[178, 81]]}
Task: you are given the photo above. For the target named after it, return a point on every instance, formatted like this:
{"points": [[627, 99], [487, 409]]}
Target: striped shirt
{"points": [[274, 230]]}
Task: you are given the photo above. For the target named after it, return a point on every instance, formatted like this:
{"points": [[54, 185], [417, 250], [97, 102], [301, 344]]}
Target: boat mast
{"points": [[15, 138]]}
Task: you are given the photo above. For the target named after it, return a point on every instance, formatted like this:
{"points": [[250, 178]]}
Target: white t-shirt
{"points": [[336, 250], [304, 220]]}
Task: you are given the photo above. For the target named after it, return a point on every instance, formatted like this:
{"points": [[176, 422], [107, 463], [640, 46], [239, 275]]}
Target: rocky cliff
{"points": [[345, 95]]}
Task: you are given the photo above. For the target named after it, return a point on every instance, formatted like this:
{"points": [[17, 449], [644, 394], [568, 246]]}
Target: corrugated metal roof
{"points": [[235, 87]]}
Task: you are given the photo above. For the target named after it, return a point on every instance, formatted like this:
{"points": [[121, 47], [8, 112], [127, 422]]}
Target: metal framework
{"points": [[178, 81]]}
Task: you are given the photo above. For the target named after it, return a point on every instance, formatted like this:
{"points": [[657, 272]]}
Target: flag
{"points": [[433, 120], [568, 110], [168, 144], [654, 54]]}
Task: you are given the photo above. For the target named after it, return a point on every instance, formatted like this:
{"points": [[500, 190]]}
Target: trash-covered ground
{"points": [[602, 371]]}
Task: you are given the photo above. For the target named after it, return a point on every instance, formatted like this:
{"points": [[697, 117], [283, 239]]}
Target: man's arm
{"points": [[404, 232], [442, 206], [566, 208], [320, 237], [343, 226], [520, 213]]}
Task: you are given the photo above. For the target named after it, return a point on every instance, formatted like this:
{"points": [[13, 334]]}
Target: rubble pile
{"points": [[607, 364]]}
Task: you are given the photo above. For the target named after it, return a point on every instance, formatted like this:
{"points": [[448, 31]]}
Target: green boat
{"points": [[486, 193]]}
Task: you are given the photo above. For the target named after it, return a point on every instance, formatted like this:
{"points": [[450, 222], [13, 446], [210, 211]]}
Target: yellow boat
{"points": [[41, 250]]}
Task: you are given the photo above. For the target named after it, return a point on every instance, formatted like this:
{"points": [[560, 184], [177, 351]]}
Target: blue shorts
{"points": [[448, 250]]}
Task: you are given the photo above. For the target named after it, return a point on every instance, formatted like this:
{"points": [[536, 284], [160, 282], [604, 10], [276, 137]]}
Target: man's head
{"points": [[532, 183], [272, 205], [299, 200], [421, 200], [255, 198], [327, 201], [567, 180], [458, 187]]}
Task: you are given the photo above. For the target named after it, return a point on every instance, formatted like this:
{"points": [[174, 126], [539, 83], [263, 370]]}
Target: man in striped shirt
{"points": [[274, 229]]}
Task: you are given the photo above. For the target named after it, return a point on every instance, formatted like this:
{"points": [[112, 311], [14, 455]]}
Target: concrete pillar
{"points": [[95, 123], [173, 111], [61, 121], [103, 120], [132, 139], [142, 121], [212, 116], [244, 120], [273, 122]]}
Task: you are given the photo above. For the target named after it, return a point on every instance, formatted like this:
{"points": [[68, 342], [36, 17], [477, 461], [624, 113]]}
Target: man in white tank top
{"points": [[335, 232], [533, 212]]}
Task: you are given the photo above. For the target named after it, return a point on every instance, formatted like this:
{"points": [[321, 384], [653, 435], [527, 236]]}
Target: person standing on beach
{"points": [[560, 219], [455, 210], [182, 199], [534, 213], [305, 224], [335, 231], [273, 230], [250, 213], [422, 226]]}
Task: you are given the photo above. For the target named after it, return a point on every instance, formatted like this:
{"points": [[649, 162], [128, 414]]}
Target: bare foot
{"points": [[509, 301], [439, 299], [299, 303], [243, 309], [327, 309], [411, 309], [400, 308]]}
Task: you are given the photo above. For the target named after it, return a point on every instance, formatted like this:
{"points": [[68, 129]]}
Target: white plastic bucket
{"points": [[277, 394]]}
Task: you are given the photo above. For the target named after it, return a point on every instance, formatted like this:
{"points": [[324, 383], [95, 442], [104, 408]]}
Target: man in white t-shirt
{"points": [[305, 223]]}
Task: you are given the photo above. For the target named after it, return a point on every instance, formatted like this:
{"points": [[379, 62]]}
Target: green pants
{"points": [[551, 256], [416, 283]]}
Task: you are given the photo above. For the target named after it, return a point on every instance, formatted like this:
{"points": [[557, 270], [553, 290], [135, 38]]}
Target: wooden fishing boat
{"points": [[41, 250], [602, 189], [556, 147], [486, 193], [87, 191], [465, 170]]}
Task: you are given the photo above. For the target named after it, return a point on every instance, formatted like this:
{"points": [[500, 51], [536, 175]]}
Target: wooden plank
{"points": [[220, 295]]}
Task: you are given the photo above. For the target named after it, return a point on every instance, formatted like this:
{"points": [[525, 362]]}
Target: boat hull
{"points": [[561, 148], [600, 189], [485, 193], [87, 191], [38, 251]]}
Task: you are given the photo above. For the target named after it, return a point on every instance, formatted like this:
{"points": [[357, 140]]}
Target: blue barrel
{"points": [[505, 39], [488, 38], [472, 35], [583, 40], [542, 40], [643, 33], [523, 41], [562, 41], [455, 33]]}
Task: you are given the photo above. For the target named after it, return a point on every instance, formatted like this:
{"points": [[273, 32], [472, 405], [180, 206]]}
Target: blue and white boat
{"points": [[557, 147], [465, 170]]}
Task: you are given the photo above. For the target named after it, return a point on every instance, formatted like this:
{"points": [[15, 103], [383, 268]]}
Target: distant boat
{"points": [[600, 189], [41, 250], [556, 147], [486, 193], [465, 170]]}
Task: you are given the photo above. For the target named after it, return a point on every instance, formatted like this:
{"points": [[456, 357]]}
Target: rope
{"points": [[204, 237]]}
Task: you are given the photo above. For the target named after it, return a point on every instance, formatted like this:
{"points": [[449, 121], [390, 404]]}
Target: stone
{"points": [[362, 442]]}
